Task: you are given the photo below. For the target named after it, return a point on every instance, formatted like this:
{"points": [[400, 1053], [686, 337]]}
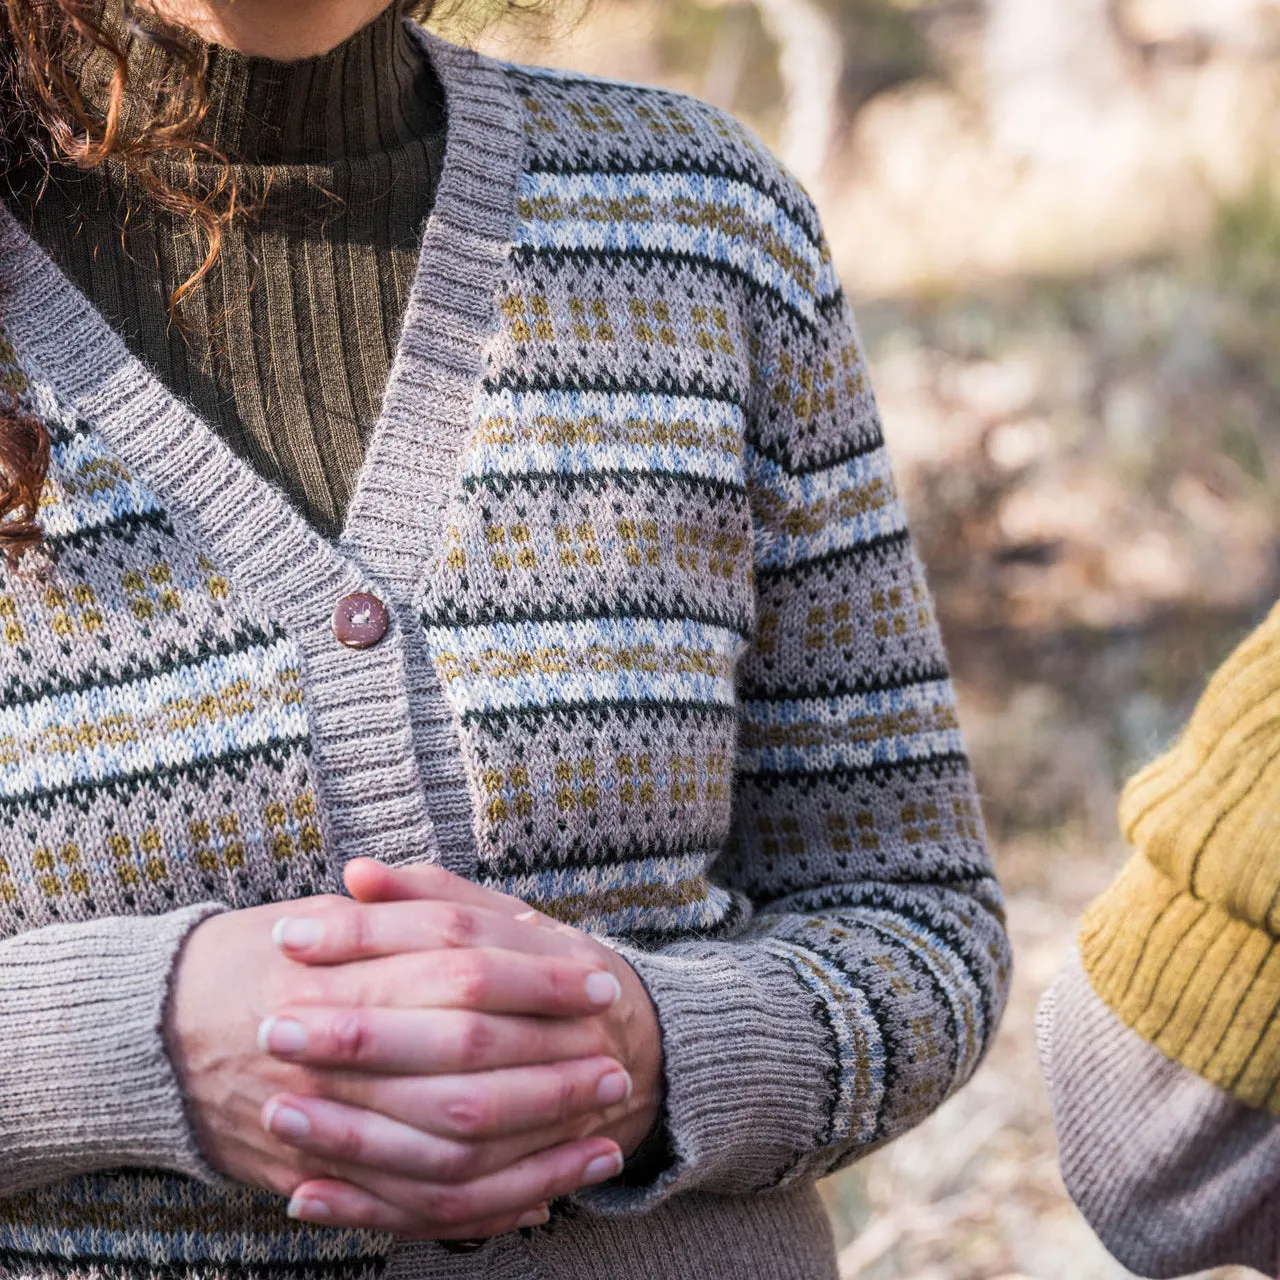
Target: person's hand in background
{"points": [[512, 984]]}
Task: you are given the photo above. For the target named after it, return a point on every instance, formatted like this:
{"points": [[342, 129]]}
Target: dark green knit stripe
{"points": [[598, 711], [831, 561], [15, 1262], [685, 264], [941, 765], [127, 786], [896, 678], [244, 638], [616, 608], [126, 527], [571, 482]]}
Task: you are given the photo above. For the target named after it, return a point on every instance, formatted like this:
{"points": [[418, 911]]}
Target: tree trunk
{"points": [[810, 62]]}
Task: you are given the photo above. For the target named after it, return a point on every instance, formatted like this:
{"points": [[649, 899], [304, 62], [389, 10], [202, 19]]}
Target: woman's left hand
{"points": [[627, 1029]]}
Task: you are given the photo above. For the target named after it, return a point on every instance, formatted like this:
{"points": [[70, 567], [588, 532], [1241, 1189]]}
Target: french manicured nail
{"points": [[614, 1088], [307, 1210], [287, 1122], [281, 1035], [534, 1218], [602, 1168], [297, 935], [603, 988]]}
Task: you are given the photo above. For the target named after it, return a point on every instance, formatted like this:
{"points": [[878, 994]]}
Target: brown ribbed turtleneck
{"points": [[293, 333]]}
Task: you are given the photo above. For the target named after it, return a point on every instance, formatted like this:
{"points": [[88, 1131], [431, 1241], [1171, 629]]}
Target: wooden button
{"points": [[360, 620]]}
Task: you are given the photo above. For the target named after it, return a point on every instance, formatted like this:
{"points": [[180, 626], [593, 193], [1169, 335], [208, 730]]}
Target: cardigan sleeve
{"points": [[1174, 1175], [869, 981], [85, 1081]]}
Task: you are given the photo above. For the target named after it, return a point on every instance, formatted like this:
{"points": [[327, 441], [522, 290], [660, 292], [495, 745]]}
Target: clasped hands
{"points": [[428, 1058]]}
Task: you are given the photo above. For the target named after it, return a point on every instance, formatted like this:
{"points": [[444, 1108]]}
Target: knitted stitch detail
{"points": [[677, 491], [155, 752], [154, 742], [674, 612]]}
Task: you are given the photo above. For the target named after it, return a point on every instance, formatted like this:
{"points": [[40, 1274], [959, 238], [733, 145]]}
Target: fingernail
{"points": [[297, 935], [535, 1218], [602, 1168], [281, 1035], [603, 988], [308, 1210], [287, 1122], [614, 1088]]}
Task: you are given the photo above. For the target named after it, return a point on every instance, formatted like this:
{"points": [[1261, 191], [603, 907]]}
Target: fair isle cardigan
{"points": [[661, 661]]}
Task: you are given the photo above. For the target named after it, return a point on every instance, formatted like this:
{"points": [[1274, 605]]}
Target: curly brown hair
{"points": [[46, 46], [150, 129]]}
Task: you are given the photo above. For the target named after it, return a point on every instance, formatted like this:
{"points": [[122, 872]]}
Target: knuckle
{"points": [[475, 1042], [458, 1162], [459, 926], [565, 1104], [468, 1115], [470, 979], [350, 1035], [447, 1205], [347, 1144]]}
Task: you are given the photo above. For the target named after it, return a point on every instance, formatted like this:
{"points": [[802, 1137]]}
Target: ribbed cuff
{"points": [[746, 1068], [86, 1081], [1173, 1174], [1200, 984]]}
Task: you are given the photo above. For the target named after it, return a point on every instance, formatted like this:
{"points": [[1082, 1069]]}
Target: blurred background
{"points": [[1059, 223]]}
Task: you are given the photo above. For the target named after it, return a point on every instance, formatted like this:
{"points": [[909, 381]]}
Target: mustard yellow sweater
{"points": [[1183, 947]]}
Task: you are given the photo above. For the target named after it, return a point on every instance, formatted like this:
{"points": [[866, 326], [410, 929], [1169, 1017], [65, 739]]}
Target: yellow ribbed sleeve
{"points": [[1183, 946]]}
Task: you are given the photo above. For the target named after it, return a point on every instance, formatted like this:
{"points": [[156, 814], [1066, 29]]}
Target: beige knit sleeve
{"points": [[1174, 1174], [85, 1082]]}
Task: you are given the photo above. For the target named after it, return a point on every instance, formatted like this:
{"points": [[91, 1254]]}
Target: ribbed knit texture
{"points": [[662, 661], [93, 1068], [1183, 946], [290, 339], [1173, 1174]]}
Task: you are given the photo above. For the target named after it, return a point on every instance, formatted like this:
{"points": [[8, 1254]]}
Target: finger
{"points": [[443, 1207], [337, 931], [316, 1203], [437, 1127], [370, 881], [329, 1135], [482, 979], [423, 1042]]}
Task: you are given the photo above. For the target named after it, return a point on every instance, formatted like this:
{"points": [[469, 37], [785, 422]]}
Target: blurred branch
{"points": [[811, 63]]}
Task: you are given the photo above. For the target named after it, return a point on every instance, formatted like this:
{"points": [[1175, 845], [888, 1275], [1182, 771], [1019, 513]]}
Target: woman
{"points": [[472, 491], [1161, 1036]]}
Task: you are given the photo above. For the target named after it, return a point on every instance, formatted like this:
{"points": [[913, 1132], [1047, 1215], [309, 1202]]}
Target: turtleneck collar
{"points": [[372, 92]]}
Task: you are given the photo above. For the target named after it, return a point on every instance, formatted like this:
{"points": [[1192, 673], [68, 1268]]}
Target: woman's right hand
{"points": [[498, 1142]]}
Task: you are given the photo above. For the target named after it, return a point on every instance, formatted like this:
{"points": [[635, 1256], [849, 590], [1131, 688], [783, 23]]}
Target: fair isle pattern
{"points": [[154, 753], [154, 745], [678, 589], [685, 678]]}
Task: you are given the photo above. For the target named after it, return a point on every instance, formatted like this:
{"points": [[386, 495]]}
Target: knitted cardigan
{"points": [[661, 661]]}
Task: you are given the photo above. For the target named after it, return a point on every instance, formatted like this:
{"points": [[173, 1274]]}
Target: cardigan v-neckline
{"points": [[397, 782]]}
